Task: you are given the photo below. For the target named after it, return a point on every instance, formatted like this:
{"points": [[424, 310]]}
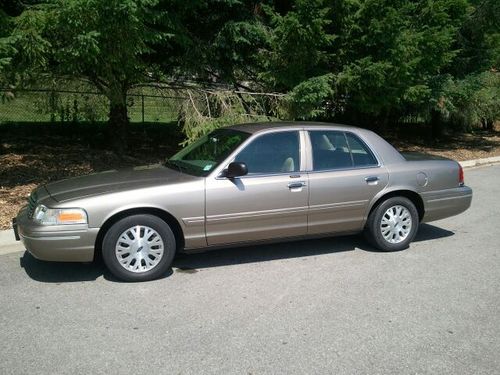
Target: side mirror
{"points": [[236, 169]]}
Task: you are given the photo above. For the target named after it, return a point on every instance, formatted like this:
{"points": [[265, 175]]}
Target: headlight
{"points": [[59, 216]]}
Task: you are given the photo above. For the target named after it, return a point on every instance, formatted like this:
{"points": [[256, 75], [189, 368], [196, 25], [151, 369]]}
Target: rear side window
{"points": [[339, 150], [361, 155], [330, 150]]}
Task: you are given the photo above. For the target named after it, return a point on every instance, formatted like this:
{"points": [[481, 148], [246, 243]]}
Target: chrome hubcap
{"points": [[139, 249], [396, 224]]}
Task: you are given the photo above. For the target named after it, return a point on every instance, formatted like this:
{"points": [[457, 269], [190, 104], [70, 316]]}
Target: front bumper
{"points": [[445, 203], [61, 243]]}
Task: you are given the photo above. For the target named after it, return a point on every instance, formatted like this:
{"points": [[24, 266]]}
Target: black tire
{"points": [[113, 234], [373, 231]]}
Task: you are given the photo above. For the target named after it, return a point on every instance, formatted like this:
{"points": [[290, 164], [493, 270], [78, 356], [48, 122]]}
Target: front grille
{"points": [[31, 205]]}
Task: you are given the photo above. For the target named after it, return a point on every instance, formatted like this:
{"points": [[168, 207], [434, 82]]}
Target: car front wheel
{"points": [[139, 248], [393, 224]]}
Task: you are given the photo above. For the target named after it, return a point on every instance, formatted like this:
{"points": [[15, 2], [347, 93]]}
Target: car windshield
{"points": [[202, 156]]}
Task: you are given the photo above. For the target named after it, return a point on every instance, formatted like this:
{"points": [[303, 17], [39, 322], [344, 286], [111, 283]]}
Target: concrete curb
{"points": [[5, 236], [478, 162], [8, 243]]}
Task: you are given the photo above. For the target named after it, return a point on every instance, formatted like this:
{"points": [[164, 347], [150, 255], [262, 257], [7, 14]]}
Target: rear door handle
{"points": [[371, 179], [296, 185]]}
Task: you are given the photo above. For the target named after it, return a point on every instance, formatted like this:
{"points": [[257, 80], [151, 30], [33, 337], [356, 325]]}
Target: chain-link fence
{"points": [[45, 105]]}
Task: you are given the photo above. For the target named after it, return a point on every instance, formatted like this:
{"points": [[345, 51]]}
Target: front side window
{"points": [[201, 157], [339, 150], [272, 153]]}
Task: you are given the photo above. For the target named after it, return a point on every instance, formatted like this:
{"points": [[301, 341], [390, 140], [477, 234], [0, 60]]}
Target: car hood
{"points": [[114, 181]]}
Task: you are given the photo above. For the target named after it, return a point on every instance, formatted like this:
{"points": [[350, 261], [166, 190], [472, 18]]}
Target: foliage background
{"points": [[375, 63]]}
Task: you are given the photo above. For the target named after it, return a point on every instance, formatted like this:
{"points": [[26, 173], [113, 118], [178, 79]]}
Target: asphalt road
{"points": [[320, 306]]}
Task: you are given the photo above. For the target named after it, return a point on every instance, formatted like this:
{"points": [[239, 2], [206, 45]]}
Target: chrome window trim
{"points": [[309, 165], [289, 174], [304, 156], [345, 169]]}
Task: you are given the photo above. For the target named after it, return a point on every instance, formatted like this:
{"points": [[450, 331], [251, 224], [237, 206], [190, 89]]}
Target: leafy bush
{"points": [[206, 111], [472, 102], [308, 100], [73, 107]]}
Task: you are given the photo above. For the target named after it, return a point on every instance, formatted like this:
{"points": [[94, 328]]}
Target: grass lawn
{"points": [[35, 107]]}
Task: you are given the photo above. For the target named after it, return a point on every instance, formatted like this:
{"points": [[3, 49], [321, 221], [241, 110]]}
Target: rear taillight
{"points": [[460, 175]]}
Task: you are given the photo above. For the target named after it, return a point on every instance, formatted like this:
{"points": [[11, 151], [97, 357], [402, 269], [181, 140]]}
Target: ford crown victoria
{"points": [[238, 185]]}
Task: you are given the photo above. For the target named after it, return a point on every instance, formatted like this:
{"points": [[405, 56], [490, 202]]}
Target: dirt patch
{"points": [[458, 147], [32, 156]]}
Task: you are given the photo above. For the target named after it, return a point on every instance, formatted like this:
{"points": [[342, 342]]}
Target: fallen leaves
{"points": [[29, 161]]}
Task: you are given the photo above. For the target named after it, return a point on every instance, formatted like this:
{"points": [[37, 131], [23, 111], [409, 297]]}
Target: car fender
{"points": [[388, 191]]}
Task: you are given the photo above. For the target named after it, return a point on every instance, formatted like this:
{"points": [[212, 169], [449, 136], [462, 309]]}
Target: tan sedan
{"points": [[239, 185]]}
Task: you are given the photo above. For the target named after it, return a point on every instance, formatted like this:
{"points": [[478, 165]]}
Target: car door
{"points": [[270, 202], [345, 177]]}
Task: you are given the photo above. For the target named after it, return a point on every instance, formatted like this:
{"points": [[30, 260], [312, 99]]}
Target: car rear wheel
{"points": [[139, 248], [393, 224]]}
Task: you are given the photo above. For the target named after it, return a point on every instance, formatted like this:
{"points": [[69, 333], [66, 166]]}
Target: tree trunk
{"points": [[118, 122], [384, 122], [436, 124], [488, 124]]}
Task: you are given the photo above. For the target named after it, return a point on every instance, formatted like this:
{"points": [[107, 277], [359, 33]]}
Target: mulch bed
{"points": [[30, 158]]}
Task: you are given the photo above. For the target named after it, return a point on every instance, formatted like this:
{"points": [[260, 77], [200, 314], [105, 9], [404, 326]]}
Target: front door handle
{"points": [[296, 185], [371, 179]]}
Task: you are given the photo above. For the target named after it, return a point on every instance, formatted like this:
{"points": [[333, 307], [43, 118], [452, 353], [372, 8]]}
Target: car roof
{"points": [[261, 126], [385, 151]]}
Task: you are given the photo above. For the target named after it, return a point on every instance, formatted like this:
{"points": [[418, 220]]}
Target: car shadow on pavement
{"points": [[53, 272], [266, 252], [65, 272], [427, 232], [296, 249], [59, 272]]}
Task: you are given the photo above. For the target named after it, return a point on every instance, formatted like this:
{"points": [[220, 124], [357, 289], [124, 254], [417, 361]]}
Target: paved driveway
{"points": [[319, 306]]}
